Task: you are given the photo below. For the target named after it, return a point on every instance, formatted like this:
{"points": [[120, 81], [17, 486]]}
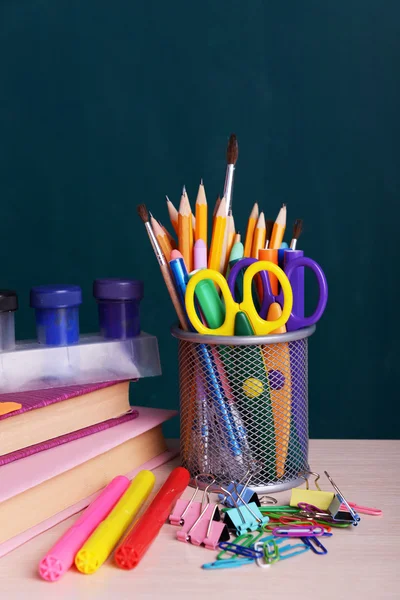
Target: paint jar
{"points": [[118, 304], [8, 306], [57, 313]]}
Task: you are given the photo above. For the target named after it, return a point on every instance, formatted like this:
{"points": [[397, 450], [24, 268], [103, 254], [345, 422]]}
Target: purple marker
{"points": [[118, 303]]}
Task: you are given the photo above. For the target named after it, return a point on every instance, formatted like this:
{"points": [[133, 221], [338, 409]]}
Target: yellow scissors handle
{"points": [[260, 326], [231, 307]]}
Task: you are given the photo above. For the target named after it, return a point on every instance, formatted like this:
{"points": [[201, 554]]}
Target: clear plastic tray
{"points": [[32, 366]]}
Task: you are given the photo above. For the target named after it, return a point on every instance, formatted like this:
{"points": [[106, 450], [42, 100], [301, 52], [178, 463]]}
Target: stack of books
{"points": [[59, 447]]}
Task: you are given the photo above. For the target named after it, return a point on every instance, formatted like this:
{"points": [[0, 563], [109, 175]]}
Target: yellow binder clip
{"points": [[315, 497]]}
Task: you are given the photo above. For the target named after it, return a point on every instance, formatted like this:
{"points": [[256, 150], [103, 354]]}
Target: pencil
{"points": [[259, 236], [173, 215], [217, 242], [184, 193], [278, 230], [232, 153], [164, 268], [251, 225], [162, 238], [185, 229], [169, 236], [201, 215]]}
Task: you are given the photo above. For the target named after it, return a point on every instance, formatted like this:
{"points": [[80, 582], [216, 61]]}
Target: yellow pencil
{"points": [[251, 225], [173, 215], [217, 241], [259, 236], [278, 230], [169, 236], [162, 238], [185, 229], [201, 215]]}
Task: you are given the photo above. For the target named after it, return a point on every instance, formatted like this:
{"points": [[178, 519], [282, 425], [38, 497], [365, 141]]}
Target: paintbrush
{"points": [[164, 268], [232, 153], [297, 229], [269, 224]]}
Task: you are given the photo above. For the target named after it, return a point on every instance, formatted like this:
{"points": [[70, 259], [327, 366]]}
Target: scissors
{"points": [[295, 321], [232, 308]]}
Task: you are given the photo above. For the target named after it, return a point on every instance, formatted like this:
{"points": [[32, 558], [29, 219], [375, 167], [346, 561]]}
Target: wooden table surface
{"points": [[362, 562]]}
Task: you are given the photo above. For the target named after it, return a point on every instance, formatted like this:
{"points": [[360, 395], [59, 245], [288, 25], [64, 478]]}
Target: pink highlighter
{"points": [[61, 556]]}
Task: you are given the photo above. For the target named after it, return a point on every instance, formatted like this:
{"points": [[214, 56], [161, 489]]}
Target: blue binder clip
{"points": [[240, 492]]}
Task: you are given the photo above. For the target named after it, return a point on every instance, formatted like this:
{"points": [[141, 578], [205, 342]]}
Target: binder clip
{"points": [[189, 509], [240, 491], [334, 508], [207, 529], [316, 497], [246, 517]]}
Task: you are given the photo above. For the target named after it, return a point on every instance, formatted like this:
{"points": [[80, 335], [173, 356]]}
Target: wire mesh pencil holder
{"points": [[244, 407]]}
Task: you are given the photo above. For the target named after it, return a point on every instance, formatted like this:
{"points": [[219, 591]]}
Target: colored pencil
{"points": [[201, 215], [217, 242], [164, 267], [173, 215], [162, 238], [251, 225], [185, 231], [259, 236], [278, 230]]}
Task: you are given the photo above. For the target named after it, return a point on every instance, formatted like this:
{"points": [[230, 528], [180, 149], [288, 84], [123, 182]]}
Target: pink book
{"points": [[29, 472]]}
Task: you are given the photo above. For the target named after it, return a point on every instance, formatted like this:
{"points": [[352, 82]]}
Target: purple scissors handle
{"points": [[243, 263], [296, 322]]}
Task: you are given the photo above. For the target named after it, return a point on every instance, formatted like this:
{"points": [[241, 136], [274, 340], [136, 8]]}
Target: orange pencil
{"points": [[173, 215], [251, 225], [161, 236], [169, 236], [259, 236], [217, 241], [185, 229], [201, 215], [278, 230]]}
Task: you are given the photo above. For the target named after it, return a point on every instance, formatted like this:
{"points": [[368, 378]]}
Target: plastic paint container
{"points": [[57, 313], [118, 304], [8, 306]]}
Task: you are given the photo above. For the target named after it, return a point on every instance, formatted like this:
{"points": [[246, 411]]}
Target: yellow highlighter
{"points": [[101, 543]]}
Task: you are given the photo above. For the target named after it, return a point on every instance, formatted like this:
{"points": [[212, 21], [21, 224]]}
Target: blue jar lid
{"points": [[55, 296], [118, 289]]}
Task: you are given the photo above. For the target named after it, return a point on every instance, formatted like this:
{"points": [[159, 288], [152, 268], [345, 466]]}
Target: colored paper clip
{"points": [[189, 509], [300, 531], [315, 545], [276, 510], [338, 500], [245, 539], [324, 518], [271, 551], [364, 510], [240, 550], [292, 550], [207, 529], [228, 563], [243, 518]]}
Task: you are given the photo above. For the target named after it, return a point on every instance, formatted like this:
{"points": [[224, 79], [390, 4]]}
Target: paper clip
{"points": [[271, 551], [315, 545], [301, 531], [290, 551], [245, 539], [338, 500], [324, 518], [364, 510], [271, 511], [189, 509], [207, 529], [243, 518], [228, 563], [261, 561], [240, 550]]}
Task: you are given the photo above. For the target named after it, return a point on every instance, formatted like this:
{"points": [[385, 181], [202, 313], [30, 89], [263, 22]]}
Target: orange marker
{"points": [[201, 215], [185, 231], [271, 256], [251, 225], [162, 238], [278, 230]]}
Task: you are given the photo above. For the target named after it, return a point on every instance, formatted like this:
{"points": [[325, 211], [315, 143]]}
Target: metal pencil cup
{"points": [[244, 407]]}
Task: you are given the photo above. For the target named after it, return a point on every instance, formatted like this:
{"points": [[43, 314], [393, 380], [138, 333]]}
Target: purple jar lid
{"points": [[118, 289], [55, 296]]}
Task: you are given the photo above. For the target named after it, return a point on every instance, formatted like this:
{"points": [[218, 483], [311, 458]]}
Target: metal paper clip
{"points": [[240, 550], [189, 509], [300, 531], [338, 500], [246, 517], [228, 563], [315, 545], [207, 529]]}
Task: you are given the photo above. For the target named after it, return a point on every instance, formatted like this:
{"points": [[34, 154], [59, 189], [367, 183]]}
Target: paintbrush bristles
{"points": [[269, 224], [297, 228], [232, 151], [143, 212]]}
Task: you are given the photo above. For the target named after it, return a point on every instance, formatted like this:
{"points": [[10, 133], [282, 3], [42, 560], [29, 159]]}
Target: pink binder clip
{"points": [[189, 510], [207, 529]]}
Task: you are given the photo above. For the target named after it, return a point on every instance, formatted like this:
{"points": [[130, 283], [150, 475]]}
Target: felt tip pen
{"points": [[61, 556]]}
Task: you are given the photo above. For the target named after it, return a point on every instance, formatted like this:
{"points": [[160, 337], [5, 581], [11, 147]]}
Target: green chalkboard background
{"points": [[106, 104]]}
